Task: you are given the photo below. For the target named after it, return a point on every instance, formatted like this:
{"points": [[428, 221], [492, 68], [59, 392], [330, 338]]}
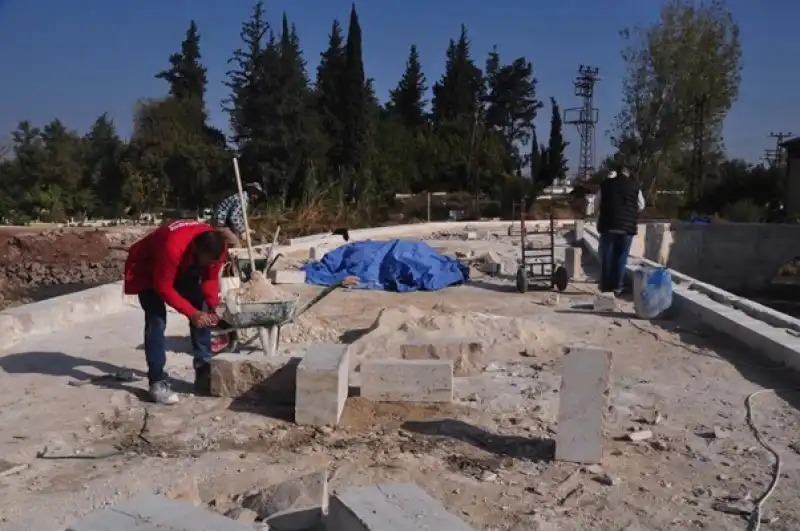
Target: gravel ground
{"points": [[488, 456]]}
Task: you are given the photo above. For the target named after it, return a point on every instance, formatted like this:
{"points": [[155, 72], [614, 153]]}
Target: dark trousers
{"points": [[614, 249], [155, 324]]}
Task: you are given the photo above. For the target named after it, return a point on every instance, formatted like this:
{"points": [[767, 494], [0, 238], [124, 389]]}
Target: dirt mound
{"points": [[54, 247], [447, 333], [29, 261]]}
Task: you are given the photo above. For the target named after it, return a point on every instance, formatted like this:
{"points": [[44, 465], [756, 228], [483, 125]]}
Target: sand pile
{"points": [[260, 289], [447, 333], [309, 329]]}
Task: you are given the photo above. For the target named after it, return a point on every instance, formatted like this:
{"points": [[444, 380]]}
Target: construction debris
{"points": [[639, 436]]}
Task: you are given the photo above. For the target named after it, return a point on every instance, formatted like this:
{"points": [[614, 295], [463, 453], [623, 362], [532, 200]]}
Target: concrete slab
{"points": [[604, 303], [778, 345], [582, 404], [154, 513], [257, 377], [390, 507], [287, 276], [55, 314], [391, 380], [322, 385]]}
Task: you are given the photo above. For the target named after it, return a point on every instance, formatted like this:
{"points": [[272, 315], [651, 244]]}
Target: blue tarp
{"points": [[396, 265]]}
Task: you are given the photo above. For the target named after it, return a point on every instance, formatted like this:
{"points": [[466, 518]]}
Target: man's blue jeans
{"points": [[614, 249], [155, 324]]}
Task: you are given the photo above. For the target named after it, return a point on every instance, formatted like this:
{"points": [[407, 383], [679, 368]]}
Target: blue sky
{"points": [[77, 59]]}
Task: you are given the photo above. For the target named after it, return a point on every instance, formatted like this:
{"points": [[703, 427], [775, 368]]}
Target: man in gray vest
{"points": [[618, 204]]}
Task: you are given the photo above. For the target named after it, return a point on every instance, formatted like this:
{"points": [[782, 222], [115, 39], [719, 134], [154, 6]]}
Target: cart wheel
{"points": [[522, 280], [560, 278], [222, 343]]}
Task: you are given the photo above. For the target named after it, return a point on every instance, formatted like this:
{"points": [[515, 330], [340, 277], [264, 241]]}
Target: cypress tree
{"points": [[407, 101]]}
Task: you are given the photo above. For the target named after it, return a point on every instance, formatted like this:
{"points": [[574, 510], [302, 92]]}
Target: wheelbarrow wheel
{"points": [[522, 280], [224, 342], [560, 278]]}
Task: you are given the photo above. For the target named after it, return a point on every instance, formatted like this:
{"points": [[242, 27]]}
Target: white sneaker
{"points": [[161, 393]]}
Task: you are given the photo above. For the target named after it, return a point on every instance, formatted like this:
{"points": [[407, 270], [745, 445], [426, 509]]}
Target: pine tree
{"points": [[102, 165], [193, 154], [329, 97], [511, 104], [354, 105], [407, 101], [250, 96], [458, 94], [535, 158], [186, 75], [290, 128], [556, 159]]}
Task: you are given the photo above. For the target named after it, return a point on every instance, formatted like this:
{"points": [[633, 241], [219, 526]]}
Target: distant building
{"points": [[791, 193]]}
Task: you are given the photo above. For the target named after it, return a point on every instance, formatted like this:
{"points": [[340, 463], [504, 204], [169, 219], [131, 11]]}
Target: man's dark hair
{"points": [[210, 243]]}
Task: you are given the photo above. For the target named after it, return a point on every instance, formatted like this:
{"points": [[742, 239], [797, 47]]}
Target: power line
{"points": [[585, 117], [774, 157]]}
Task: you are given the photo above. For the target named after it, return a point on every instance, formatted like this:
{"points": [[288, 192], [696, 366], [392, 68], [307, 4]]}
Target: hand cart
{"points": [[538, 265]]}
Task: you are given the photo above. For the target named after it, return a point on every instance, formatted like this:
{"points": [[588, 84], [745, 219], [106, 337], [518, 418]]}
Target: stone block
{"points": [[297, 504], [149, 513], [257, 377], [390, 507], [582, 404], [287, 276], [605, 303], [316, 253], [472, 235], [393, 380], [465, 353], [322, 385], [572, 262], [491, 268]]}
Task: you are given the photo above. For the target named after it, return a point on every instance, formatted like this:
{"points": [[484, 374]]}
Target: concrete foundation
{"points": [[55, 314], [262, 378], [582, 404], [739, 257], [749, 322], [322, 385], [390, 380], [393, 507], [149, 513]]}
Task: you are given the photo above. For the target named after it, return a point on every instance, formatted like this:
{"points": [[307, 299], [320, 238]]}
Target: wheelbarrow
{"points": [[268, 316]]}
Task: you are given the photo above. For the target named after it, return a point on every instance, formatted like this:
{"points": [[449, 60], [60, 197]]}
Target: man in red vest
{"points": [[177, 265]]}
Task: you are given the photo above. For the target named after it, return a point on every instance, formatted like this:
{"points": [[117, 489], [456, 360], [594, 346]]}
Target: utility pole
{"points": [[774, 157], [585, 118]]}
